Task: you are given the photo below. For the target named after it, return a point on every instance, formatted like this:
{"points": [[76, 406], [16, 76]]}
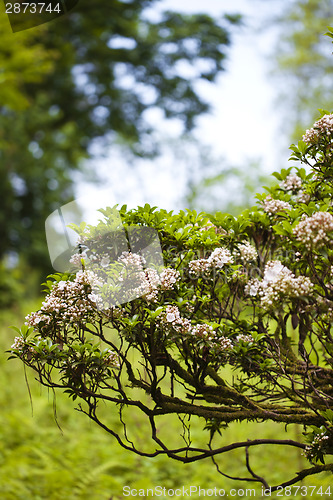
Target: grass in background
{"points": [[38, 461]]}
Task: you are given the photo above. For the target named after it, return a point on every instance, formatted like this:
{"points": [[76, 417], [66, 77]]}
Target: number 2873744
{"points": [[32, 8]]}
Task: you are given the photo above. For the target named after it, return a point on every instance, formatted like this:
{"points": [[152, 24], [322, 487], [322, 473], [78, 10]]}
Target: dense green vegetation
{"points": [[38, 461]]}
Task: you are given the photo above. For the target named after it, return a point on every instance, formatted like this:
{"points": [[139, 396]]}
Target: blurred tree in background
{"points": [[303, 62], [22, 60], [90, 78], [227, 188]]}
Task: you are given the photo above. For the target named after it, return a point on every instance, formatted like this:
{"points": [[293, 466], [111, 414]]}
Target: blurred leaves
{"points": [[303, 62], [22, 60], [230, 189]]}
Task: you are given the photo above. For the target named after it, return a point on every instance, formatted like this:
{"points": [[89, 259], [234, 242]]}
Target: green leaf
{"points": [[15, 329], [329, 32], [25, 330], [328, 414], [278, 229], [302, 146], [277, 175], [222, 292]]}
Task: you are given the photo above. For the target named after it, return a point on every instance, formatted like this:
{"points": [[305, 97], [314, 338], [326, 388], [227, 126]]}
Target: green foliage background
{"points": [[302, 62]]}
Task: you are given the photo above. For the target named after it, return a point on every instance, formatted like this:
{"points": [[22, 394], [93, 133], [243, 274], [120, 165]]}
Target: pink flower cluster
{"points": [[248, 252], [321, 128], [173, 323], [291, 183], [171, 320], [277, 284], [149, 280], [272, 206], [218, 258], [67, 302], [314, 231], [112, 359], [19, 344], [135, 281]]}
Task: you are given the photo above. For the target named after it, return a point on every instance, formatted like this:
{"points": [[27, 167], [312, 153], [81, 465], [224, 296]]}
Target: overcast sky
{"points": [[242, 124]]}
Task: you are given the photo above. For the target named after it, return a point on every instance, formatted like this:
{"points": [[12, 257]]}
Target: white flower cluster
{"points": [[206, 333], [252, 287], [248, 252], [131, 259], [220, 256], [317, 444], [313, 231], [302, 197], [98, 260], [68, 301], [322, 127], [209, 225], [202, 331], [217, 259], [76, 259], [125, 280], [278, 283], [172, 322], [171, 319], [19, 344], [224, 343], [112, 359], [292, 183], [199, 266], [132, 280], [24, 348], [151, 282], [168, 278], [244, 338], [272, 206]]}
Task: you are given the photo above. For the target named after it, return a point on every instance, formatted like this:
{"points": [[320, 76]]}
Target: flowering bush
{"points": [[251, 295]]}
